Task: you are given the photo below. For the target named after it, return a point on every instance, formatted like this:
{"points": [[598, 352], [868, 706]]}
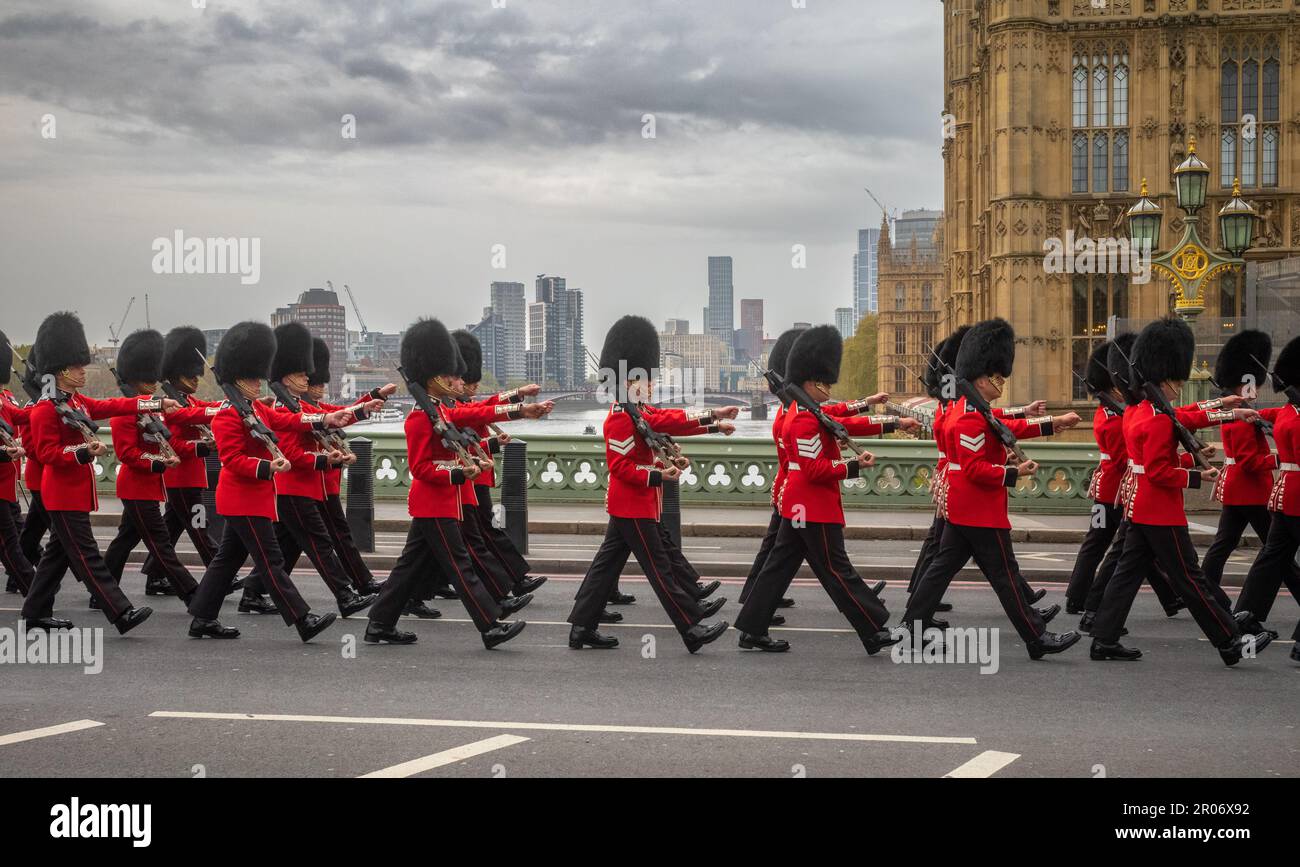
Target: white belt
{"points": [[1105, 457], [1137, 469], [1130, 462], [954, 466], [792, 466], [1290, 468], [942, 455], [1227, 462]]}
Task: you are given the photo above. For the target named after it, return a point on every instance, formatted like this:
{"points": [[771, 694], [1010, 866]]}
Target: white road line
{"points": [[446, 757], [48, 731], [564, 727], [564, 623], [986, 764]]}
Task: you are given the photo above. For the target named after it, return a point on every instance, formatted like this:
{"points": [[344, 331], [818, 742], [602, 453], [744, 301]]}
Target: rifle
{"points": [[257, 429], [659, 442], [1265, 426], [975, 399], [184, 400], [1292, 392], [796, 394], [1189, 441], [1103, 398], [149, 422], [452, 436], [330, 439], [71, 415]]}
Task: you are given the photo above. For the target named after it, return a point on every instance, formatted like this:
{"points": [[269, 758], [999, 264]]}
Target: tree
{"points": [[858, 370]]}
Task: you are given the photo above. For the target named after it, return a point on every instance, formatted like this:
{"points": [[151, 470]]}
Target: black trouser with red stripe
{"points": [[490, 570], [301, 530], [246, 536], [991, 548], [38, 521], [72, 546], [180, 517], [644, 539], [822, 545], [1155, 574], [1172, 549], [434, 544], [764, 549], [1101, 533], [929, 548], [1232, 522], [336, 523], [1275, 564], [11, 551], [495, 538], [142, 520]]}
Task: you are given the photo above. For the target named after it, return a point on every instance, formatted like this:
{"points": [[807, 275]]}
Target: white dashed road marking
{"points": [[446, 757]]}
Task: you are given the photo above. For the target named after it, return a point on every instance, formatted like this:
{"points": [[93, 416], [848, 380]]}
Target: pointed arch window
{"points": [[1250, 90], [1099, 156]]}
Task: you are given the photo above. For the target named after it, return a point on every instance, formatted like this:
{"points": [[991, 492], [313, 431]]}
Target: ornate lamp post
{"points": [[1190, 263]]}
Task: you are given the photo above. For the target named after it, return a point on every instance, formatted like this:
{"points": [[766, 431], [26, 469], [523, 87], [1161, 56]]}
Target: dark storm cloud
{"points": [[532, 75]]}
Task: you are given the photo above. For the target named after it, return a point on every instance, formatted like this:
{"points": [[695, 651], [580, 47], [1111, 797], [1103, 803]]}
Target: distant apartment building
{"points": [[677, 326], [749, 337], [374, 348], [510, 309], [866, 274], [326, 318], [720, 319], [556, 325], [491, 334], [845, 322], [693, 361]]}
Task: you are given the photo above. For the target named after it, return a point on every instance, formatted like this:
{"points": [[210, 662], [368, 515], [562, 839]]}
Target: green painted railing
{"points": [[731, 471]]}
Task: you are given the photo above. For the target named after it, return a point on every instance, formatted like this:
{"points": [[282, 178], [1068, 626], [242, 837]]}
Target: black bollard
{"points": [[361, 495], [514, 493], [672, 514], [216, 523]]}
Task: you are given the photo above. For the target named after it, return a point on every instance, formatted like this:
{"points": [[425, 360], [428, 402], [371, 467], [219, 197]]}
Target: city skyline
{"points": [[438, 196]]}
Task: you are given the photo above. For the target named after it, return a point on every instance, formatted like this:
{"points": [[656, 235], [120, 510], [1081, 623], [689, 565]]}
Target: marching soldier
{"points": [[246, 489], [300, 490], [331, 508], [1193, 417], [1157, 526], [17, 567], [495, 541], [184, 349], [37, 521], [143, 458], [810, 503], [436, 500], [976, 498], [635, 497], [1248, 463], [67, 448], [877, 425], [1277, 560]]}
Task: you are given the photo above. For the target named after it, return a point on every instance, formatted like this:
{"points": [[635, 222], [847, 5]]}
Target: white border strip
{"points": [[446, 757], [48, 731], [986, 764]]}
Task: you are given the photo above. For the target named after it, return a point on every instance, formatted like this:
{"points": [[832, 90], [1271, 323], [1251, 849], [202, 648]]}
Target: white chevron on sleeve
{"points": [[973, 443], [623, 446], [810, 447]]}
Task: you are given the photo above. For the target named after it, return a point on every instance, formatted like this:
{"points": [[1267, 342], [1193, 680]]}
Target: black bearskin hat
{"points": [[1163, 351], [61, 342], [245, 352], [471, 353], [32, 373], [633, 341], [428, 351], [1118, 366], [780, 353], [1241, 357], [946, 350], [816, 356], [181, 350], [320, 359], [6, 359], [1096, 374], [292, 351], [140, 357], [989, 348], [1286, 370]]}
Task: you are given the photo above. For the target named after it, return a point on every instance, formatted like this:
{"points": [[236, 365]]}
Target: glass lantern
{"points": [[1191, 179], [1237, 222], [1144, 221]]}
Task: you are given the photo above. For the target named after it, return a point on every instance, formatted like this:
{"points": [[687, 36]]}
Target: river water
{"points": [[575, 423]]}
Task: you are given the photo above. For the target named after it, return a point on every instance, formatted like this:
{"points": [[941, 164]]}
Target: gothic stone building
{"points": [[910, 294], [1059, 108]]}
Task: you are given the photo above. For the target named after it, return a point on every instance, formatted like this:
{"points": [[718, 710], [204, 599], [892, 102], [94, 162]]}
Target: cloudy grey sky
{"points": [[475, 126]]}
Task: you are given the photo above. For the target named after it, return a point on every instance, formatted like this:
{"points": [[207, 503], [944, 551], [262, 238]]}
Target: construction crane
{"points": [[355, 309], [883, 210], [114, 334]]}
